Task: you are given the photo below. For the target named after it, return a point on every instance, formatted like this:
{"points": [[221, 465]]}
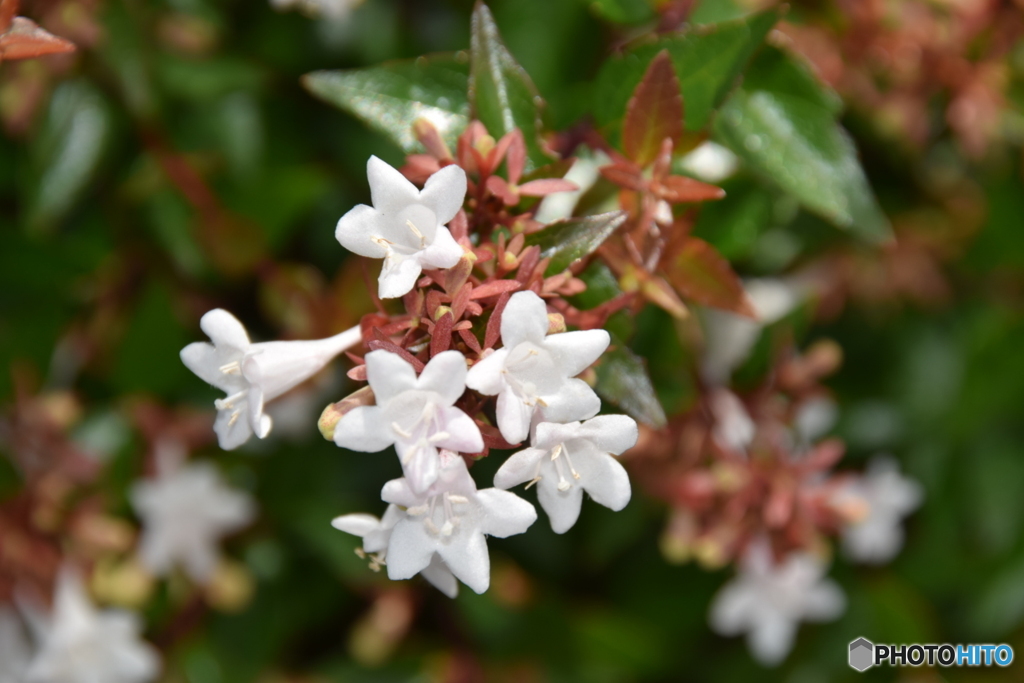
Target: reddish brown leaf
{"points": [[654, 113], [625, 177], [381, 345], [515, 160], [24, 40], [493, 332], [470, 340], [8, 10], [546, 186], [441, 337], [677, 189], [699, 273], [497, 186], [495, 288], [460, 300]]}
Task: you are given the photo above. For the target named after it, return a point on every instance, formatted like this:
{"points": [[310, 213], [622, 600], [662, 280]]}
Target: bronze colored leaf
{"points": [[654, 113], [700, 274], [24, 40]]}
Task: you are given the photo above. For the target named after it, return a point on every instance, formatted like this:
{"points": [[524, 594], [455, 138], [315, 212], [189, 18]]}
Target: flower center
{"points": [[562, 465], [419, 422], [439, 513], [530, 371]]}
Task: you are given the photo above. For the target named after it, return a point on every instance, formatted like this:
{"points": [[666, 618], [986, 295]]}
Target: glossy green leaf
{"points": [[390, 97], [622, 379], [707, 60], [622, 11], [784, 125], [734, 224], [567, 241], [501, 93]]}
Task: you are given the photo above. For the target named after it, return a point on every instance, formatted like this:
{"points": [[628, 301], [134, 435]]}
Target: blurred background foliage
{"points": [[175, 164]]}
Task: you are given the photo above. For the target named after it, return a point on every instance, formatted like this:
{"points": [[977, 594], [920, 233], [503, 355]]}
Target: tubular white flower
{"points": [[533, 375], [376, 533], [449, 522], [185, 513], [405, 226], [15, 652], [416, 414], [889, 497], [78, 644], [767, 601], [567, 460], [254, 374]]}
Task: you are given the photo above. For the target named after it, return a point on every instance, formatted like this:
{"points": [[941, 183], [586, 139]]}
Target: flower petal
{"points": [[444, 193], [506, 513], [575, 400], [363, 429], [468, 560], [389, 189], [731, 608], [409, 550], [223, 329], [610, 433], [398, 276], [232, 431], [771, 638], [445, 374], [464, 434], [420, 464], [205, 360], [389, 375], [258, 422], [577, 351], [824, 601], [519, 467], [443, 252], [440, 577], [358, 524], [358, 229], [604, 478], [398, 492], [486, 376], [562, 507], [513, 416], [525, 318]]}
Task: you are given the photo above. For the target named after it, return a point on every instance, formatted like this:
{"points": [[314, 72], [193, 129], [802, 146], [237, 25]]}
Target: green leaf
{"points": [[569, 240], [707, 61], [622, 378], [783, 124], [734, 224], [622, 11], [501, 93], [391, 96]]}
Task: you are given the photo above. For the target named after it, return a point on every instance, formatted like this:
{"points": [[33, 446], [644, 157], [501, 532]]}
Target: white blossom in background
{"points": [[330, 10], [533, 375], [79, 644], [185, 512], [814, 418], [405, 226], [585, 171], [15, 651], [710, 162], [767, 601], [417, 415], [567, 459], [733, 429], [254, 374], [450, 522], [376, 533], [888, 497]]}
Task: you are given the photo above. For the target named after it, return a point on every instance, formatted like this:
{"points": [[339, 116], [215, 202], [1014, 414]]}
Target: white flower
{"points": [[450, 522], [417, 415], [405, 226], [376, 533], [710, 162], [79, 644], [568, 459], [332, 10], [184, 514], [734, 429], [534, 371], [889, 497], [15, 652], [768, 600], [254, 374]]}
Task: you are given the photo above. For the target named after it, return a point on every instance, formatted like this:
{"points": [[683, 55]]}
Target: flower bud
{"points": [[335, 411]]}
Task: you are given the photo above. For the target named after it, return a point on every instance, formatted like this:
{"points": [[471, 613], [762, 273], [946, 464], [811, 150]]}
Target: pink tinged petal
{"points": [[506, 514], [468, 560], [420, 465], [486, 376], [771, 639], [363, 429], [519, 467], [398, 276], [440, 577], [613, 434], [231, 431], [445, 375], [398, 492], [358, 524], [577, 351], [359, 231], [206, 361], [575, 400], [389, 375], [224, 329], [513, 416], [464, 434], [562, 507], [604, 478], [525, 319], [409, 550], [444, 193], [390, 190], [443, 252]]}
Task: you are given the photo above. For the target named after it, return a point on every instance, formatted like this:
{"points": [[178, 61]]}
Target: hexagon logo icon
{"points": [[862, 654]]}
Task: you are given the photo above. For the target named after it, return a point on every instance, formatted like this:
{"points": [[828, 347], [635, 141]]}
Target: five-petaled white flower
{"points": [[78, 644], [185, 512], [405, 226], [767, 601], [450, 521], [417, 415], [568, 459], [889, 497], [253, 374], [376, 533], [533, 375]]}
